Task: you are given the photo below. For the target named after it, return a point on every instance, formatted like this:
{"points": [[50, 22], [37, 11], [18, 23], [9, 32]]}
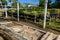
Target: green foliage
{"points": [[12, 11], [40, 22], [34, 12], [41, 3], [13, 0], [14, 5], [4, 2], [40, 11], [49, 3], [55, 25], [56, 4], [21, 12]]}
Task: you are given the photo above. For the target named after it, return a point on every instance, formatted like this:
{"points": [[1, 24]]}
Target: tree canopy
{"points": [[41, 3], [55, 4], [4, 2]]}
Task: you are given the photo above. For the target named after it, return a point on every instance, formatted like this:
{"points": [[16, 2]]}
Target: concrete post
{"points": [[45, 12], [18, 11], [6, 11]]}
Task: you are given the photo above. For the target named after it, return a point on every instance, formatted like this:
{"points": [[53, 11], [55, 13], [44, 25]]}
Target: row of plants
{"points": [[55, 22]]}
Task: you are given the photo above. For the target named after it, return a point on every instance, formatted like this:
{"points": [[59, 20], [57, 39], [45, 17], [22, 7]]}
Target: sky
{"points": [[30, 1]]}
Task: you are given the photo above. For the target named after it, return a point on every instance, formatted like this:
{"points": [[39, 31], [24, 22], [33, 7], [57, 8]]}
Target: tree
{"points": [[13, 0], [49, 3], [4, 2], [14, 5], [56, 4], [57, 1], [41, 3]]}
